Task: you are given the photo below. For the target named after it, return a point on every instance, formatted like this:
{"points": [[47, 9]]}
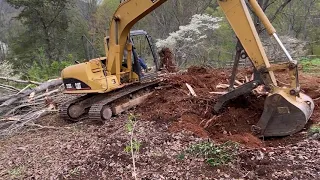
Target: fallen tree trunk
{"points": [[10, 88], [42, 87], [20, 81], [2, 99]]}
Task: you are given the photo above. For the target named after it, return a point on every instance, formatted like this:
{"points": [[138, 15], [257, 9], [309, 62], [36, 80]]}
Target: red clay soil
{"points": [[173, 106]]}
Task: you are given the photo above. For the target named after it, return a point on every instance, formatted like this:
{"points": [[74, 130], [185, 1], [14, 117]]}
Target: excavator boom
{"points": [[286, 108]]}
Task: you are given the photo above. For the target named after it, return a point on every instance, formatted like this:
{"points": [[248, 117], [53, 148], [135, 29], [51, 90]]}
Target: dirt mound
{"points": [[197, 70], [167, 60], [173, 105]]}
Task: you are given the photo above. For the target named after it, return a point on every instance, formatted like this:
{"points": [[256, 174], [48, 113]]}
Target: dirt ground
{"points": [[172, 105], [169, 122]]}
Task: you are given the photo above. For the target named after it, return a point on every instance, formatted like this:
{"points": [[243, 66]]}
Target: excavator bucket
{"points": [[284, 114]]}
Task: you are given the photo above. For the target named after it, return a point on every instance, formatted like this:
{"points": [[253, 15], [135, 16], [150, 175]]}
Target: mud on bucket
{"points": [[284, 114]]}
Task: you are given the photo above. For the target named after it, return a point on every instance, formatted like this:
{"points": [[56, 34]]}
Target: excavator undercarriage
{"points": [[101, 107]]}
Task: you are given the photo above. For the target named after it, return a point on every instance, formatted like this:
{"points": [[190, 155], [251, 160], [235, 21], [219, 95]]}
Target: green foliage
{"points": [[315, 49], [135, 147], [315, 129], [214, 154], [75, 171], [101, 19], [310, 65], [131, 122], [46, 24], [46, 72], [49, 30], [47, 38], [223, 39], [16, 172], [181, 156]]}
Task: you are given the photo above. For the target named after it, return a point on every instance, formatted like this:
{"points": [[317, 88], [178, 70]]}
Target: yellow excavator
{"points": [[114, 84]]}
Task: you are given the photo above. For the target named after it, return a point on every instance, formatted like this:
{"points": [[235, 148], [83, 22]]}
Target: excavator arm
{"points": [[128, 13], [286, 109]]}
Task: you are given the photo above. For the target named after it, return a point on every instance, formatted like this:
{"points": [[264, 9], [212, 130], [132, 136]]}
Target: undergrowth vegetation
{"points": [[310, 65], [315, 129], [214, 154]]}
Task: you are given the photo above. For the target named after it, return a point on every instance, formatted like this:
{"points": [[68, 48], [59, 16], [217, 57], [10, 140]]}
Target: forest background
{"points": [[38, 38]]}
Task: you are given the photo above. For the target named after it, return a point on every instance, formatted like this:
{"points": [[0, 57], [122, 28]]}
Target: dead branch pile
{"points": [[23, 107]]}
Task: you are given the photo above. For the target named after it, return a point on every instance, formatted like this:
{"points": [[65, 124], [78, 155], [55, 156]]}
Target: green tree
{"points": [[45, 28]]}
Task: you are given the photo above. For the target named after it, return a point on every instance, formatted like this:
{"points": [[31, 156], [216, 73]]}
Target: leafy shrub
{"points": [[310, 65], [6, 69], [45, 72], [214, 154], [315, 129]]}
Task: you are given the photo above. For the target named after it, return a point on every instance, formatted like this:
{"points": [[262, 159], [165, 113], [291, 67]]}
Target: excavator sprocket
{"points": [[284, 115]]}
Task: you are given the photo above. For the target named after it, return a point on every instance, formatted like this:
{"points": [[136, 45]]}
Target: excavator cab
{"points": [[144, 54], [95, 79]]}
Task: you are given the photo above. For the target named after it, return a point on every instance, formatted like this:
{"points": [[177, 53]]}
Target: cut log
{"points": [[12, 127], [21, 106], [47, 94], [128, 105]]}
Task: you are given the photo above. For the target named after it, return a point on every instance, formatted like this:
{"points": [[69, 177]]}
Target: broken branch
{"points": [[218, 93], [42, 87], [10, 88], [191, 90]]}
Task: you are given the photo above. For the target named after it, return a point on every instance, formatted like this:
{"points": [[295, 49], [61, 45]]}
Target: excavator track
{"points": [[63, 109], [95, 111], [97, 104]]}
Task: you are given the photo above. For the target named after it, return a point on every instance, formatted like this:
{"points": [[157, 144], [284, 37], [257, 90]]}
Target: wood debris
{"points": [[191, 90], [23, 107]]}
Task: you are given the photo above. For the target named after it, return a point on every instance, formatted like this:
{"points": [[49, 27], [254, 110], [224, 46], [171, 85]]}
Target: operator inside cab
{"points": [[141, 61]]}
